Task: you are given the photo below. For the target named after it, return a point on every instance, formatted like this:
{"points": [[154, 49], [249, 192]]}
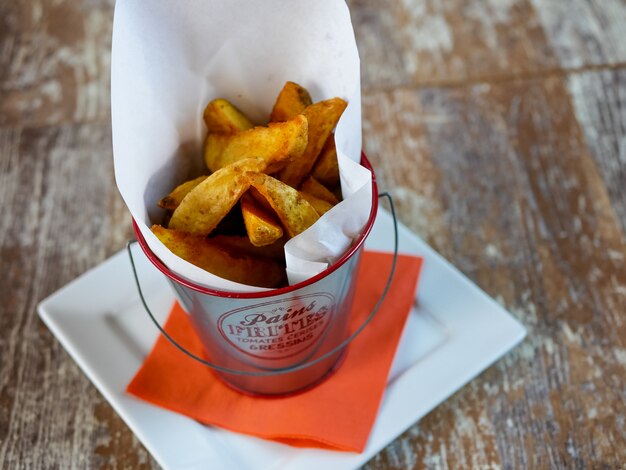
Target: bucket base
{"points": [[286, 393]]}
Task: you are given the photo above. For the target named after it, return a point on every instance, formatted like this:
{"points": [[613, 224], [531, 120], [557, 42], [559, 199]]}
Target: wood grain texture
{"points": [[600, 103], [62, 216], [499, 127], [584, 32], [432, 42], [524, 212], [54, 61], [426, 42]]}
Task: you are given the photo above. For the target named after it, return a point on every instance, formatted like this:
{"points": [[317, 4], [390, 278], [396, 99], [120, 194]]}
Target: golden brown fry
{"points": [[275, 251], [291, 101], [326, 169], [209, 202], [295, 212], [172, 200], [317, 189], [320, 206], [262, 227], [322, 118], [217, 259], [260, 199], [276, 144], [222, 117]]}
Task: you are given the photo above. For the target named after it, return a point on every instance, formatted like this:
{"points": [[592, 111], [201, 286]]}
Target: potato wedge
{"points": [[291, 101], [217, 259], [173, 199], [260, 199], [295, 212], [322, 118], [262, 226], [222, 117], [326, 169], [275, 251], [317, 189], [276, 144], [209, 202], [320, 206]]}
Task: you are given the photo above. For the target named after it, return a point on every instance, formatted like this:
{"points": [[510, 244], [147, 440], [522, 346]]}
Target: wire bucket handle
{"points": [[301, 366]]}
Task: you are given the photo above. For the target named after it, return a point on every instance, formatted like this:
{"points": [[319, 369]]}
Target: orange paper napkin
{"points": [[338, 413]]}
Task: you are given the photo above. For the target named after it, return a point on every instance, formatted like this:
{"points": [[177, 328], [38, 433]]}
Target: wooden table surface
{"points": [[498, 125]]}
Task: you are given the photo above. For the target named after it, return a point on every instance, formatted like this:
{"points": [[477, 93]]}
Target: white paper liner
{"points": [[171, 57]]}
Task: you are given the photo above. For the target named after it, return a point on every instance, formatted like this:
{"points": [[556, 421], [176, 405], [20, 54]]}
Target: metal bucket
{"points": [[279, 341]]}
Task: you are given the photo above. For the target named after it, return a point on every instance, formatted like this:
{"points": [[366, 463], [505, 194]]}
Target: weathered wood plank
{"points": [[59, 219], [584, 32], [380, 48], [394, 135], [524, 212], [430, 42], [600, 104], [54, 61]]}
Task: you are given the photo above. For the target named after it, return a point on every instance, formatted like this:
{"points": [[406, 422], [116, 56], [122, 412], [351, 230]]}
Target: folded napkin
{"points": [[338, 413]]}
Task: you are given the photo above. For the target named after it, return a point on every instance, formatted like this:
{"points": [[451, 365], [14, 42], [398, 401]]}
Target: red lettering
{"points": [[294, 314], [235, 330], [253, 319], [255, 332]]}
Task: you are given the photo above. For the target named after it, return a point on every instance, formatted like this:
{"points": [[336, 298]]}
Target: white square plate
{"points": [[452, 334]]}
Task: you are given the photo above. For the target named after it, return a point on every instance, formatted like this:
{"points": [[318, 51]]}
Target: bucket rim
{"points": [[271, 292]]}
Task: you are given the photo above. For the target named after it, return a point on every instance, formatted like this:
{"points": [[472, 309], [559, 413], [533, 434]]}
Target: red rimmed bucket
{"points": [[278, 341]]}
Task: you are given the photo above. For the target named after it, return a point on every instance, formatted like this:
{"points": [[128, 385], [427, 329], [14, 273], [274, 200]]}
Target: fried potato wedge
{"points": [[209, 202], [275, 251], [322, 118], [223, 262], [326, 169], [173, 199], [295, 212], [320, 206], [277, 144], [222, 117], [260, 199], [317, 189], [262, 226], [291, 101]]}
